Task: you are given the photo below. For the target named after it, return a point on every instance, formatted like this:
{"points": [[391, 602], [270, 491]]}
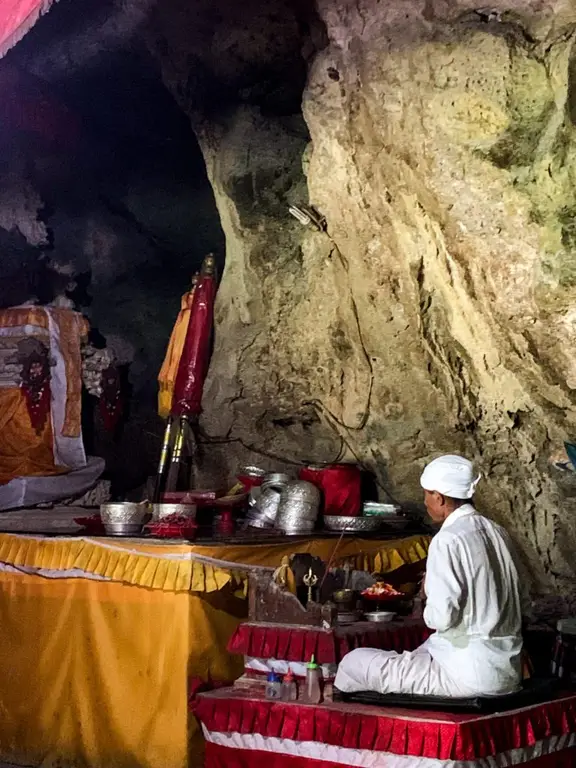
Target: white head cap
{"points": [[451, 476]]}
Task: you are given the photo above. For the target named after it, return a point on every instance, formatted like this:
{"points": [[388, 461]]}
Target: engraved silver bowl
{"points": [[379, 617], [353, 524], [298, 507], [124, 518], [126, 512], [123, 529]]}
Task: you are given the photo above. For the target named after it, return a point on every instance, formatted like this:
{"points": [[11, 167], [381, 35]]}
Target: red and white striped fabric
{"points": [[254, 751], [246, 732], [328, 646], [280, 647]]}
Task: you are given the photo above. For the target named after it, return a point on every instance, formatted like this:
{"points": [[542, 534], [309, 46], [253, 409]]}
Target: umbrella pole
{"points": [[163, 463], [172, 481], [193, 449]]}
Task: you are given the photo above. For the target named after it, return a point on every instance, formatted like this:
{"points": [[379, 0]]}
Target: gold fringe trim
{"points": [[138, 569], [390, 558], [157, 567]]}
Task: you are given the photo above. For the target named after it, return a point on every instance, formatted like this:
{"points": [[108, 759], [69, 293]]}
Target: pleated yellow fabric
{"points": [[177, 567], [129, 563]]}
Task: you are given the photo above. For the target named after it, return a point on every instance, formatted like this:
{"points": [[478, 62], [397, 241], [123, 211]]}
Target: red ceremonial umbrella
{"points": [[16, 18], [189, 384], [192, 370]]}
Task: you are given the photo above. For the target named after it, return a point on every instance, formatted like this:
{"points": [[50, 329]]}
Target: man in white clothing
{"points": [[473, 604]]}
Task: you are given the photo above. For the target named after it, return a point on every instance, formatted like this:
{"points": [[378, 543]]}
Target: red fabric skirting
{"points": [[401, 732], [224, 757], [261, 641]]}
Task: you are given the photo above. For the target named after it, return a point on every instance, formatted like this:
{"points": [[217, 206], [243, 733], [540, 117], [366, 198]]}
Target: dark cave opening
{"points": [[123, 204], [115, 210]]}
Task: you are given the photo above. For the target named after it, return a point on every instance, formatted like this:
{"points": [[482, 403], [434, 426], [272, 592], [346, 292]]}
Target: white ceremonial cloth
{"points": [[473, 603]]}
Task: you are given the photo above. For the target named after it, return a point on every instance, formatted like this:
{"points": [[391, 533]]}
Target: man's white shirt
{"points": [[474, 604]]}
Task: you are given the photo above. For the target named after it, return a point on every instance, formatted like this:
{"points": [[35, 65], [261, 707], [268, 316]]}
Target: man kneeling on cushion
{"points": [[472, 602]]}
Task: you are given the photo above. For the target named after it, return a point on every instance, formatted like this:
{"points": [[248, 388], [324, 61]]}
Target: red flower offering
{"points": [[174, 527], [382, 593]]}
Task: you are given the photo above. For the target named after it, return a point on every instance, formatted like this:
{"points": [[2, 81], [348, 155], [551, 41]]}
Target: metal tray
{"points": [[353, 524]]}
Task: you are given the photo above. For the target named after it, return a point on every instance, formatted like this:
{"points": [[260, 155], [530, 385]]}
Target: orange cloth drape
{"points": [[169, 370], [23, 453]]}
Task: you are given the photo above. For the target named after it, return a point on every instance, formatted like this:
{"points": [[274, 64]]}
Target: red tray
{"points": [[173, 530], [383, 598]]}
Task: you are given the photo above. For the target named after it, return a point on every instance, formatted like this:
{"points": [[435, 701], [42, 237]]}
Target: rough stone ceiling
{"points": [[92, 57], [128, 201]]}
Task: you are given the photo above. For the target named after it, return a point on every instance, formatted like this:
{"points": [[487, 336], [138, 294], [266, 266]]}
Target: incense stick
{"points": [[332, 556]]}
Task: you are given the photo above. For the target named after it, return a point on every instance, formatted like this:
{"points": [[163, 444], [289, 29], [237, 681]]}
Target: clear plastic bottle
{"points": [[313, 684], [289, 687], [273, 687]]}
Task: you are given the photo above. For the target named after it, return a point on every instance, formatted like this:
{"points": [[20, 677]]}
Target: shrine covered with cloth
{"points": [[122, 632], [42, 455]]}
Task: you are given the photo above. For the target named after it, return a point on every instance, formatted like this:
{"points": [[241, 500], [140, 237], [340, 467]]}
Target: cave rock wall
{"points": [[437, 311]]}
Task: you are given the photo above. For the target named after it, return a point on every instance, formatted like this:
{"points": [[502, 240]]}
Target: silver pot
{"points": [[276, 480], [258, 522], [254, 495], [262, 513], [297, 529], [298, 507], [301, 490], [267, 504]]}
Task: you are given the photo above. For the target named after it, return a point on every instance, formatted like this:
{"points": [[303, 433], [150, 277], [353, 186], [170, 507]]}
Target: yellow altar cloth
{"points": [[99, 637]]}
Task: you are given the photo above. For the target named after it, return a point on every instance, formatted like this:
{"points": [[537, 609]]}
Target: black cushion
{"points": [[533, 691]]}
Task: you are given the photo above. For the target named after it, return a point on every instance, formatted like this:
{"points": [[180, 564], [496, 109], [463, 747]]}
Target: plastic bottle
{"points": [[289, 687], [313, 685], [273, 687]]}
